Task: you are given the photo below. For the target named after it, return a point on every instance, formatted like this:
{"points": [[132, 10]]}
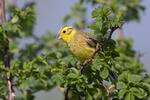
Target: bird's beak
{"points": [[59, 37]]}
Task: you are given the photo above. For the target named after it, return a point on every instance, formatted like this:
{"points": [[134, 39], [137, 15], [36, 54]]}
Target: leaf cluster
{"points": [[46, 62]]}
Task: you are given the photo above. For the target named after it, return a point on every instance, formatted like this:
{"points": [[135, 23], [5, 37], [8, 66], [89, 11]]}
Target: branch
{"points": [[66, 93], [90, 59], [100, 48], [6, 54]]}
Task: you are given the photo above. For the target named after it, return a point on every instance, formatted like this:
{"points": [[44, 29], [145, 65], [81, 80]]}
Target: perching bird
{"points": [[81, 44]]}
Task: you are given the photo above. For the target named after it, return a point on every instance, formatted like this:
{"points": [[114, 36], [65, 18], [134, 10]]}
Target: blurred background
{"points": [[49, 17]]}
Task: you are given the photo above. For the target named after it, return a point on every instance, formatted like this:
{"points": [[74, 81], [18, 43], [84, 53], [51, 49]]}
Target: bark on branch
{"points": [[6, 54]]}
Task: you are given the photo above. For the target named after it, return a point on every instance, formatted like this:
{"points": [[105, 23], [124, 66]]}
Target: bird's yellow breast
{"points": [[80, 48]]}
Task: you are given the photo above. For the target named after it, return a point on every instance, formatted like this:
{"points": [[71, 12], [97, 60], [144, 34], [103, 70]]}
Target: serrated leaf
{"points": [[104, 73]]}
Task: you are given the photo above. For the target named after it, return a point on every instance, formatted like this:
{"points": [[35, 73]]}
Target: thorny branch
{"points": [[90, 59], [6, 54], [100, 48]]}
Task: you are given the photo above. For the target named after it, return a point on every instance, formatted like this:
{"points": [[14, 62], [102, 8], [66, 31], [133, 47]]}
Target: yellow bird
{"points": [[81, 44]]}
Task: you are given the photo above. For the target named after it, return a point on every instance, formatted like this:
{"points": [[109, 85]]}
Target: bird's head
{"points": [[66, 33]]}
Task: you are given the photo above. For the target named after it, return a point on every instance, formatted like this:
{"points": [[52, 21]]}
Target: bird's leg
{"points": [[91, 60]]}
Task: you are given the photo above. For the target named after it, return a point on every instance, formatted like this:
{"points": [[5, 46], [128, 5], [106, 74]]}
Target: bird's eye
{"points": [[64, 31]]}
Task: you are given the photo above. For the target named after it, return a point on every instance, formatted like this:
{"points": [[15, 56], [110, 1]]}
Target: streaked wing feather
{"points": [[91, 41]]}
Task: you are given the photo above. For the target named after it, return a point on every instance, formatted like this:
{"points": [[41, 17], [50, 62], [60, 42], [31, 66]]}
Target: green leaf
{"points": [[138, 92], [88, 96], [146, 86], [44, 82], [134, 78], [96, 12], [58, 78], [93, 27], [72, 75], [6, 27], [122, 92], [129, 96], [79, 88], [106, 11], [104, 73], [96, 64], [74, 70], [123, 77], [14, 19], [42, 60], [1, 29], [121, 85]]}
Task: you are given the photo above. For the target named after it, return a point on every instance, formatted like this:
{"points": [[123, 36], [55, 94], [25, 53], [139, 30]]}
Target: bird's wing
{"points": [[91, 41]]}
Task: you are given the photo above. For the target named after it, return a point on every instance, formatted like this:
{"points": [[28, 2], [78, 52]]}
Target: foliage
{"points": [[47, 62]]}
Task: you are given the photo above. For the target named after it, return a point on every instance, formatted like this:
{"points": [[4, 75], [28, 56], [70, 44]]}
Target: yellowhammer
{"points": [[81, 44]]}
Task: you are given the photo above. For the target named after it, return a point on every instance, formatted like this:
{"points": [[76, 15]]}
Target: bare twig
{"points": [[139, 55], [100, 48], [6, 55]]}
